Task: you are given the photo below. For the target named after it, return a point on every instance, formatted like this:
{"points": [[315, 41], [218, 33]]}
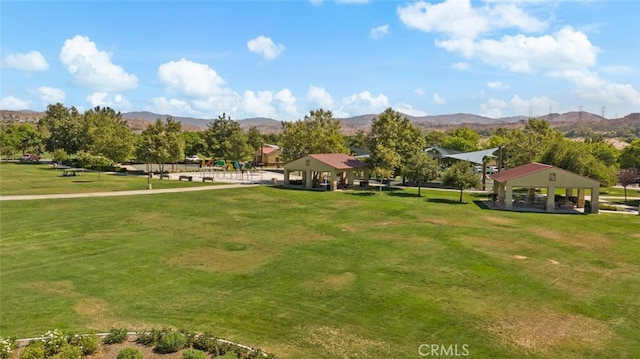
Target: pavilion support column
{"points": [[595, 200], [366, 176], [532, 196], [551, 199], [580, 202], [349, 179], [333, 180], [509, 197], [308, 180], [286, 178], [568, 193], [501, 194]]}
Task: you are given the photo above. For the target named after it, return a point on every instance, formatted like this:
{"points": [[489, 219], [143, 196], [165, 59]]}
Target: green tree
{"points": [[358, 139], [388, 161], [421, 168], [161, 143], [528, 145], [392, 131], [630, 156], [62, 128], [254, 138], [22, 138], [194, 143], [318, 132], [461, 139], [461, 175], [106, 134], [226, 140], [577, 157], [434, 138]]}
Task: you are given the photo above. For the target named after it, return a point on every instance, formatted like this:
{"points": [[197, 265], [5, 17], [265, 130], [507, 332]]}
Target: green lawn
{"points": [[326, 274], [32, 178]]}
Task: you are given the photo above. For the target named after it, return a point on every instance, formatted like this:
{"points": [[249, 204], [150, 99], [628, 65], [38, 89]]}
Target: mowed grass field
{"points": [[326, 274]]}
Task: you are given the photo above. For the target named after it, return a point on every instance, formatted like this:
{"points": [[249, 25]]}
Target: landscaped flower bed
{"points": [[121, 344]]}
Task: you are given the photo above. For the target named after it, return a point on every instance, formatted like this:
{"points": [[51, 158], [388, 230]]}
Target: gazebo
{"points": [[335, 165], [537, 175]]}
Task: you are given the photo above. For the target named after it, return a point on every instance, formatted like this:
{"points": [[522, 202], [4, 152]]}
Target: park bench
{"points": [[163, 175], [188, 178], [204, 179], [71, 173]]}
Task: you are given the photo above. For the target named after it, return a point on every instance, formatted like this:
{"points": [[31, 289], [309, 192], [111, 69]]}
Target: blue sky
{"points": [[281, 59]]}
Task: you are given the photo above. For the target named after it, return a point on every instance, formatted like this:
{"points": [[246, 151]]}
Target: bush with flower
{"points": [[54, 341], [6, 347]]}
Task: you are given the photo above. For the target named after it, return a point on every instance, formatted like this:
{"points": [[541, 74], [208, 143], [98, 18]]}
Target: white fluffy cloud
{"points": [[565, 50], [268, 104], [105, 99], [319, 96], [438, 100], [51, 95], [93, 68], [265, 47], [536, 106], [497, 85], [13, 103], [409, 110], [190, 79], [459, 20], [30, 61], [379, 31], [362, 103]]}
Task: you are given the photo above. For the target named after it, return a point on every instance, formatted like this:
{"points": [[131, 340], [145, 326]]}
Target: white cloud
{"points": [[320, 96], [30, 61], [536, 106], [13, 103], [592, 87], [420, 91], [460, 66], [362, 103], [493, 108], [174, 107], [93, 68], [104, 99], [618, 70], [409, 110], [265, 47], [191, 79], [51, 95], [379, 31], [497, 85], [438, 100], [459, 20], [565, 50], [280, 106]]}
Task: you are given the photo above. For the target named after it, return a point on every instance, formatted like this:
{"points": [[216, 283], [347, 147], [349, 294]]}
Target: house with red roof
{"points": [[326, 170], [534, 176]]}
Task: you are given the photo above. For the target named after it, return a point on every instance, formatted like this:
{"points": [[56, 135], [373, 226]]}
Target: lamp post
{"points": [[149, 167]]}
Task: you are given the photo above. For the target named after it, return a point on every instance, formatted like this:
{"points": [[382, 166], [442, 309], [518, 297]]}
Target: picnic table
{"points": [[72, 172]]}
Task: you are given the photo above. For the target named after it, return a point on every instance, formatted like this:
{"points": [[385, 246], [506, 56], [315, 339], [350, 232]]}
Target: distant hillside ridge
{"points": [[139, 119]]}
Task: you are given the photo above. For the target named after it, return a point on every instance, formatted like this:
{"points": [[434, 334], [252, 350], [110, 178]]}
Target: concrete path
{"points": [[122, 193]]}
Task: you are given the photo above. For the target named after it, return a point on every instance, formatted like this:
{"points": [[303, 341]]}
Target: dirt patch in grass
{"points": [[499, 220], [542, 331], [63, 288], [591, 241], [223, 260], [519, 256], [338, 281], [339, 343]]}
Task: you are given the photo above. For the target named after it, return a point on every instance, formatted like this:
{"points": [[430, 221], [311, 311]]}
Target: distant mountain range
{"points": [[139, 120]]}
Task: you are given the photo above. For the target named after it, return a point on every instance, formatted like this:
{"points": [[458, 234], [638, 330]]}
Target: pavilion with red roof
{"points": [[533, 176], [337, 168]]}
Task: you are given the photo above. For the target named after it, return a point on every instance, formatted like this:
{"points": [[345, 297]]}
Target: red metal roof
{"points": [[339, 160], [268, 150], [520, 171]]}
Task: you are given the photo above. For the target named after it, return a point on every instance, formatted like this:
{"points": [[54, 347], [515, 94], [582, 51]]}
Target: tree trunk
{"points": [[461, 189], [419, 195]]}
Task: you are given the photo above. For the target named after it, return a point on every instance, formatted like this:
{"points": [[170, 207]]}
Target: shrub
{"points": [[35, 350], [189, 336], [6, 347], [193, 354], [115, 336], [149, 338], [53, 341], [206, 342], [70, 352], [171, 342], [129, 353], [88, 343]]}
